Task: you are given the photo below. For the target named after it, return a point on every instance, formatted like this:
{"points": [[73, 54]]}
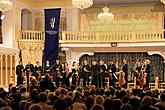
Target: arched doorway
{"points": [[26, 19]]}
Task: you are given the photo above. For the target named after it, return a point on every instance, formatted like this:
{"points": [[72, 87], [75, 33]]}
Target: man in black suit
{"points": [[112, 70], [19, 72], [125, 70], [85, 73], [148, 70], [95, 73], [29, 69], [102, 69]]}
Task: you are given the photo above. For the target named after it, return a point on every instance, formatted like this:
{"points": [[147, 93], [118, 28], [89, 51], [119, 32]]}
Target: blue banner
{"points": [[52, 23]]}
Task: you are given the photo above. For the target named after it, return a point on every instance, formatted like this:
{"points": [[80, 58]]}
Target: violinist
{"points": [[47, 67], [38, 71], [29, 69], [58, 70], [74, 74]]}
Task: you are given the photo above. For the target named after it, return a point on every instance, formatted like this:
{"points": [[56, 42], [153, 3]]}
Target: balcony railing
{"points": [[96, 37], [105, 37], [29, 35]]}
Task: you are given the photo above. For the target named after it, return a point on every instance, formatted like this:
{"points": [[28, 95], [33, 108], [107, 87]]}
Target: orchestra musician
{"points": [[47, 67], [66, 77], [111, 71], [29, 69], [58, 71], [38, 71], [95, 73], [137, 71], [124, 73], [148, 72], [85, 73], [20, 73], [102, 71], [75, 72]]}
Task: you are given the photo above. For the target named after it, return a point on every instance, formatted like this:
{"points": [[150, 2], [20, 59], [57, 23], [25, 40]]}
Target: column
{"points": [[1, 69], [11, 69], [72, 19], [6, 71]]}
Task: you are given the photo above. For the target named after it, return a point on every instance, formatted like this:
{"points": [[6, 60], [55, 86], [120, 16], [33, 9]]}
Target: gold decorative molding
{"points": [[31, 44]]}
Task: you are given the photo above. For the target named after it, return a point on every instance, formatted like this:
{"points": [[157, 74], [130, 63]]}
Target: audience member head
{"points": [[147, 101], [35, 107], [86, 94], [78, 98], [135, 102], [107, 93], [125, 99], [69, 102], [27, 105], [89, 102], [42, 97], [116, 104], [60, 105], [149, 93], [108, 104], [162, 97], [22, 89], [126, 107], [22, 104], [6, 108], [33, 82], [97, 107], [47, 76], [13, 90], [99, 100], [122, 93], [34, 95]]}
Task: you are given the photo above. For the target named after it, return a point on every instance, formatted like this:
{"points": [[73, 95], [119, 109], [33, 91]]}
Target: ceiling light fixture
{"points": [[82, 4], [105, 16], [5, 5]]}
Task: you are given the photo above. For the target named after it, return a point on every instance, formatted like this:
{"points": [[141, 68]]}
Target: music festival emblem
{"points": [[52, 22]]}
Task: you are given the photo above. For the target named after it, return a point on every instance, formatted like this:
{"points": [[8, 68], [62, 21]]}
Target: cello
{"points": [[122, 79]]}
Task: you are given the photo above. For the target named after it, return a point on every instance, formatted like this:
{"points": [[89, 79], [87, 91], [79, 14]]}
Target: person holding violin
{"points": [[38, 71], [58, 71]]}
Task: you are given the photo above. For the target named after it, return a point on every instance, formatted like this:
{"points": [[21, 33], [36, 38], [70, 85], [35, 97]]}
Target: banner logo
{"points": [[52, 22]]}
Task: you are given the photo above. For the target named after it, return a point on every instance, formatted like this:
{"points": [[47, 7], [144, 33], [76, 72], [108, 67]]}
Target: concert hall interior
{"points": [[82, 54]]}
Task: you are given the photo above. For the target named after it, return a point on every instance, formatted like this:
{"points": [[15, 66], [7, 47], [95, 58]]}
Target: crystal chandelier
{"points": [[5, 5], [163, 1], [82, 4], [105, 15]]}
